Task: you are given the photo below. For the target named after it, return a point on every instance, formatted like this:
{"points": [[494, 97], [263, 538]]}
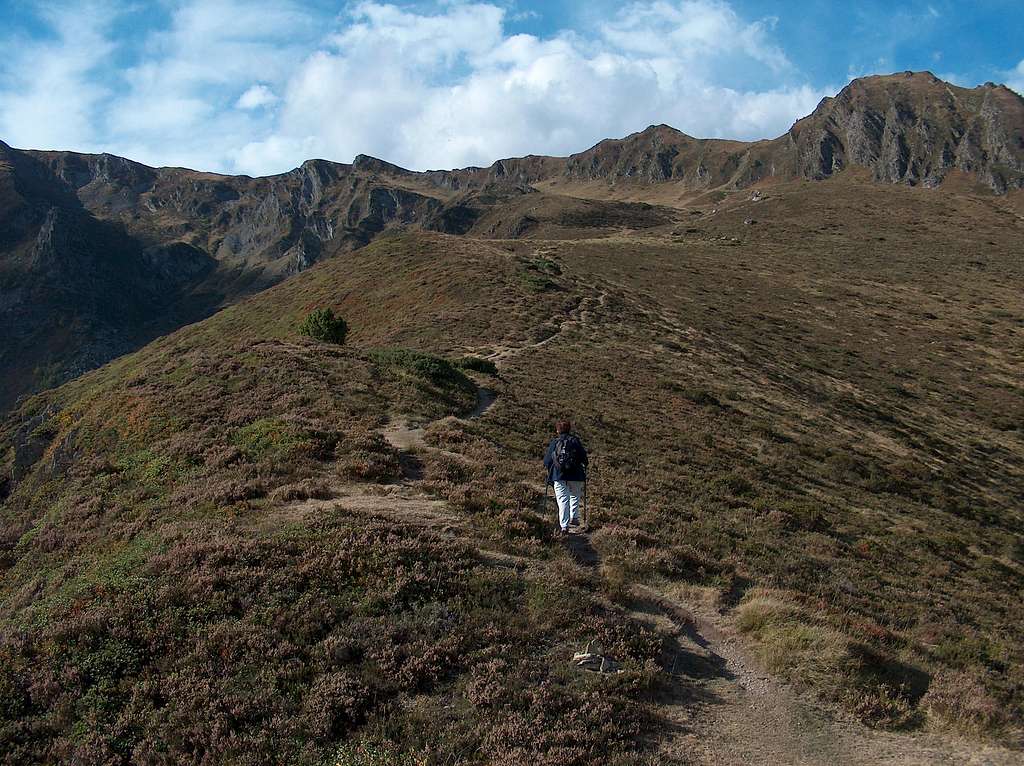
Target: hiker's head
{"points": [[563, 426]]}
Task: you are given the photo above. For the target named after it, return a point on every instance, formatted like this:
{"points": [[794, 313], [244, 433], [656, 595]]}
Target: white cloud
{"points": [[452, 89], [698, 32], [1015, 78], [176, 106], [423, 89], [49, 95], [255, 97]]}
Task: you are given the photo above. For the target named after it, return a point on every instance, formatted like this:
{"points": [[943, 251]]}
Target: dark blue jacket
{"points": [[578, 473]]}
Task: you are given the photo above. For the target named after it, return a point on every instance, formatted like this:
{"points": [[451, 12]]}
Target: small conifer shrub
{"points": [[321, 324]]}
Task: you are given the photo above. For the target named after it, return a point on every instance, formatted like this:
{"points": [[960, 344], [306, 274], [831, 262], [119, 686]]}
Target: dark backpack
{"points": [[568, 453]]}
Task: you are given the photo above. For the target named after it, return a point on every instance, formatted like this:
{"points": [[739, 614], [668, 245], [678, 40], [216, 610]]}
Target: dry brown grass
{"points": [[815, 416]]}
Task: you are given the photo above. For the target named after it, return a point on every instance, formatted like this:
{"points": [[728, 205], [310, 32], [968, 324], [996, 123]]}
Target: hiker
{"points": [[566, 463]]}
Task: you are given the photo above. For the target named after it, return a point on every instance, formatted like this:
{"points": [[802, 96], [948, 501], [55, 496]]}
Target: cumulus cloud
{"points": [[453, 89], [426, 89], [175, 105]]}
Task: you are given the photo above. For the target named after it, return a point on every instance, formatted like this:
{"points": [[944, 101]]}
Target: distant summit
{"points": [[905, 128], [914, 128]]}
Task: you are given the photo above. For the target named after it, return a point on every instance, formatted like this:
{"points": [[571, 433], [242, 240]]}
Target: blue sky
{"points": [[258, 86]]}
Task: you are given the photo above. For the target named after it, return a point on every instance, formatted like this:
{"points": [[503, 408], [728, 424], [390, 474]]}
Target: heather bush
{"points": [[418, 364], [301, 490], [477, 364], [321, 324], [368, 457], [961, 699], [883, 706]]}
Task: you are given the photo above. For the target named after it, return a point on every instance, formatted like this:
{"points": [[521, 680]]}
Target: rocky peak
{"points": [[81, 170], [914, 128], [364, 163]]}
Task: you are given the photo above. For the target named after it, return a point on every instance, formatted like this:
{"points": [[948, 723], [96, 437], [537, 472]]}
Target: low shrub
{"points": [[301, 490], [321, 324], [537, 283], [884, 706], [427, 367], [268, 438], [477, 364], [370, 459], [962, 700]]}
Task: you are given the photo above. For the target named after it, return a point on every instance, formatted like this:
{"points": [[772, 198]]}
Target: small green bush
{"points": [[321, 324], [537, 283]]}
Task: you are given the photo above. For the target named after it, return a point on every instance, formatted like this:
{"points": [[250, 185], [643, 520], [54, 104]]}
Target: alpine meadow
{"points": [[271, 488]]}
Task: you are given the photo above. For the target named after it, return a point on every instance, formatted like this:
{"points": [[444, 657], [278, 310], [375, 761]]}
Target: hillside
{"points": [[99, 254], [804, 404]]}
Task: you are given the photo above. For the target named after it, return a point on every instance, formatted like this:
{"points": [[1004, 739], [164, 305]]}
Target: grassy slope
{"points": [[825, 404], [830, 406], [163, 603]]}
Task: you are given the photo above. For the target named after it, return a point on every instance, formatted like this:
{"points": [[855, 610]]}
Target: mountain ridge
{"points": [[100, 253], [824, 111]]}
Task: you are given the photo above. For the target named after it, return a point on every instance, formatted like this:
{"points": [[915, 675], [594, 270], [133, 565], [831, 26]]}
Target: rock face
{"points": [[906, 128], [99, 254], [914, 128]]}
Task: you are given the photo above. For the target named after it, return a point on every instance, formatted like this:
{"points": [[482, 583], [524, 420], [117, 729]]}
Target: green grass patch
{"points": [[418, 364], [370, 754], [145, 465], [269, 438]]}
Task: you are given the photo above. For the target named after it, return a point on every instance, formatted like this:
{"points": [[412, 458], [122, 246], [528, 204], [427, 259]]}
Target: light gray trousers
{"points": [[568, 494]]}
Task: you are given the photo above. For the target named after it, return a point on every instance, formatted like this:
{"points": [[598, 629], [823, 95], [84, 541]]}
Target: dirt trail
{"points": [[724, 710], [403, 500], [578, 317], [406, 438]]}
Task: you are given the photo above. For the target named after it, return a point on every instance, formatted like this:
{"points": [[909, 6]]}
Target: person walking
{"points": [[566, 463]]}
